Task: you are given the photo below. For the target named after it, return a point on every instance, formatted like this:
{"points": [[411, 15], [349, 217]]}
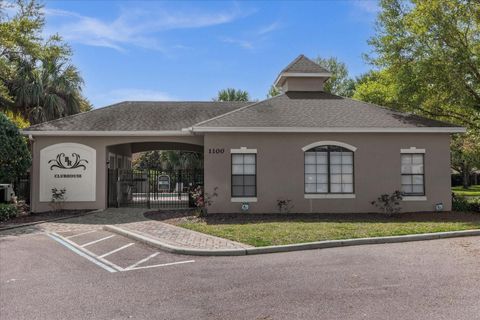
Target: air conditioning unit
{"points": [[6, 193]]}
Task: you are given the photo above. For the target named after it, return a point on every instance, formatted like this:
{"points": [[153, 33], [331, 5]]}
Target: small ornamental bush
{"points": [[389, 203], [463, 204], [284, 205], [7, 211], [58, 199], [203, 200]]}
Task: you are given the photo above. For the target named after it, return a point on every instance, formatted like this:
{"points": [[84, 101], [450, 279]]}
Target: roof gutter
{"points": [[150, 133], [331, 130]]}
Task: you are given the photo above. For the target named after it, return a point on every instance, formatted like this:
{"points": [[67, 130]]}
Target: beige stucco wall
{"points": [[101, 145], [280, 165], [303, 84], [280, 170]]}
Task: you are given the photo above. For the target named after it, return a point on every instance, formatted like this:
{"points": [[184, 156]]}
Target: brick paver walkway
{"points": [[179, 236], [131, 219]]}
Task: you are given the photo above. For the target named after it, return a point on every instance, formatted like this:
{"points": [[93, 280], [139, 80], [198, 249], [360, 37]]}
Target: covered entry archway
{"points": [[167, 183]]}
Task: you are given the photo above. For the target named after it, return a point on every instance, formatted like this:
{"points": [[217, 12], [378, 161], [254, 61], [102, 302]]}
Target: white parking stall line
{"points": [[142, 261], [96, 241], [91, 254], [116, 250], [159, 265], [100, 260], [80, 253], [80, 234]]}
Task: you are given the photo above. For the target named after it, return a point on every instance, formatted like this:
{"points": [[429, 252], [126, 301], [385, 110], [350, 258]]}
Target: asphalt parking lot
{"points": [[41, 278], [115, 253]]}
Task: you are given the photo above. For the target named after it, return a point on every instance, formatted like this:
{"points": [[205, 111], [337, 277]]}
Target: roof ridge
{"points": [[233, 111], [293, 62]]}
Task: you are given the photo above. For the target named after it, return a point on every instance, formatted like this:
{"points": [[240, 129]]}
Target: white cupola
{"points": [[302, 74]]}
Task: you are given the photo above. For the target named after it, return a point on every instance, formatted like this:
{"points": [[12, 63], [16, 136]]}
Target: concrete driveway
{"points": [[439, 279]]}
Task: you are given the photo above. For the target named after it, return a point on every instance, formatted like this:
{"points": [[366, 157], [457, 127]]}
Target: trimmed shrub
{"points": [[7, 211], [464, 204], [474, 204]]}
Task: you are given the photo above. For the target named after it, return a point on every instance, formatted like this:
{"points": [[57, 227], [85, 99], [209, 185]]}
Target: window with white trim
{"points": [[413, 174], [244, 175], [328, 169]]}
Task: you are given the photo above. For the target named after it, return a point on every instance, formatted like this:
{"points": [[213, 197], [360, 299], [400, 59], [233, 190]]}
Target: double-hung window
{"points": [[413, 174], [244, 175], [328, 169]]}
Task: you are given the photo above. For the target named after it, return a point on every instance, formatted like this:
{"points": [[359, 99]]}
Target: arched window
{"points": [[328, 169]]}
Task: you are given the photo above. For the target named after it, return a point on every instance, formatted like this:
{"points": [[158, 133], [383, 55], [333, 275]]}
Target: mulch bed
{"points": [[41, 216], [175, 217]]}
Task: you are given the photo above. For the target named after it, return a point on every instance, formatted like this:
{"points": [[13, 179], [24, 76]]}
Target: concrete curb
{"points": [[290, 247], [48, 220], [174, 249]]}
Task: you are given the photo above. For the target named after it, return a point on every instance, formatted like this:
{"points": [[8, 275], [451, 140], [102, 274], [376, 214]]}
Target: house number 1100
{"points": [[217, 150]]}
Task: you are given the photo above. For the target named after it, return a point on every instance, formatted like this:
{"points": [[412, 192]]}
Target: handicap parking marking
{"points": [[99, 259]]}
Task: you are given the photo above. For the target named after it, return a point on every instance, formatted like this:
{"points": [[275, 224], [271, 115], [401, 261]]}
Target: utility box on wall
{"points": [[6, 193]]}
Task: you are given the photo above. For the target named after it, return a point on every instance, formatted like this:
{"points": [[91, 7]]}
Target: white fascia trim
{"points": [[330, 143], [282, 76], [412, 150], [149, 133], [253, 199], [306, 74], [329, 196], [414, 198], [331, 130], [243, 150]]}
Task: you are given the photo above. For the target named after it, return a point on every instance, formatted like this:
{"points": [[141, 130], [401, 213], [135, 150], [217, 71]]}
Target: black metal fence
{"points": [[152, 188], [21, 187]]}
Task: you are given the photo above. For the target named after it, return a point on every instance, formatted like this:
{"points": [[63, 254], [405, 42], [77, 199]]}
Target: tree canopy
{"points": [[168, 160], [14, 155], [38, 80], [339, 83], [427, 58], [231, 94]]}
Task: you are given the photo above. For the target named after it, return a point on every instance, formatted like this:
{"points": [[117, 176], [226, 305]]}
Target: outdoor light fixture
{"points": [[245, 206], [439, 207]]}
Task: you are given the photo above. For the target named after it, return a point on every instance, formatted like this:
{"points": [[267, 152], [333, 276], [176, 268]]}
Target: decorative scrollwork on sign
{"points": [[64, 162]]}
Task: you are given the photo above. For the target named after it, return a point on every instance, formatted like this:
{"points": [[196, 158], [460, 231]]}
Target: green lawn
{"points": [[278, 230], [471, 192]]}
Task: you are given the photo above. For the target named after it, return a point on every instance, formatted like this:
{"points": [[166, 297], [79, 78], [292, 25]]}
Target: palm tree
{"points": [[49, 90], [231, 94]]}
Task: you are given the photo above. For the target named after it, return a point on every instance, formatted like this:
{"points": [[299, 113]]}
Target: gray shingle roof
{"points": [[140, 116], [317, 110], [304, 65]]}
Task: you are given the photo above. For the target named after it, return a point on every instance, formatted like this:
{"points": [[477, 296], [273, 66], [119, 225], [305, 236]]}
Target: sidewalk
{"points": [[180, 237]]}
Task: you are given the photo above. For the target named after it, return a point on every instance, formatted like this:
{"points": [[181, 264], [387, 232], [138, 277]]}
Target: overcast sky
{"points": [[189, 50]]}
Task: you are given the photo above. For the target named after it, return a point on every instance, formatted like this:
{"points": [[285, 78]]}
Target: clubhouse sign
{"points": [[71, 166]]}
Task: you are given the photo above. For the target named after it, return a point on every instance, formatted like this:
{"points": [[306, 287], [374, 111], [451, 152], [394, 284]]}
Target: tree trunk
{"points": [[466, 177]]}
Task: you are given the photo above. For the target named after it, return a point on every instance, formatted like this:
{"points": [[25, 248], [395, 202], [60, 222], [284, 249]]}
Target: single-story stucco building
{"points": [[322, 152]]}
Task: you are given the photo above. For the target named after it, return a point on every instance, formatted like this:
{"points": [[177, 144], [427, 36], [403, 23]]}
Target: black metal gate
{"points": [[152, 188]]}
